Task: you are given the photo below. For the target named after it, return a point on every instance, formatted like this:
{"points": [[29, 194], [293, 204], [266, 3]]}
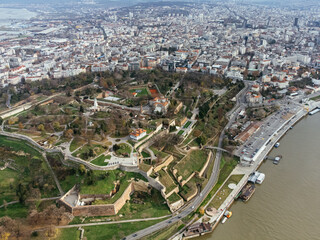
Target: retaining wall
{"points": [[164, 164]]}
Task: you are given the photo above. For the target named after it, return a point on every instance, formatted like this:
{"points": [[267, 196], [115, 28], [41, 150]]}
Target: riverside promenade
{"points": [[247, 170]]}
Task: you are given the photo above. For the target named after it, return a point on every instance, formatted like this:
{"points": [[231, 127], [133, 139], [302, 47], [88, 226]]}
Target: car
{"points": [[179, 217], [192, 207], [170, 221], [134, 235]]}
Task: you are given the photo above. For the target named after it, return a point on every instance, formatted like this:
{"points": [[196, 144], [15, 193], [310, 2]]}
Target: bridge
{"points": [[217, 148]]}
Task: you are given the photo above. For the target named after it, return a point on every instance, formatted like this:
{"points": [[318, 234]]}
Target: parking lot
{"points": [[269, 127]]}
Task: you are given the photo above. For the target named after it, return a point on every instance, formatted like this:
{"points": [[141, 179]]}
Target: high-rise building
{"points": [[130, 16], [296, 22]]}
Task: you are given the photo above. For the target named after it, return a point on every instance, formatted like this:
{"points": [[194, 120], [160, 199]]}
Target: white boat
{"points": [[314, 111], [256, 177], [260, 178], [277, 144], [224, 220]]}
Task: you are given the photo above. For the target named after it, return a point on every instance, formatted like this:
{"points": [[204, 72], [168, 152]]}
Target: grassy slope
{"points": [[100, 161], [116, 231], [9, 178], [193, 162]]}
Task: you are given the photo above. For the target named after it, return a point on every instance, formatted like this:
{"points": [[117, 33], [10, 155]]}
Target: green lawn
{"points": [[18, 145], [191, 163], [70, 180], [105, 185], [144, 167], [8, 178], [153, 205], [167, 181], [158, 153], [132, 143], [100, 160], [101, 186], [124, 150], [174, 197], [187, 124], [145, 154], [14, 211], [30, 168], [84, 152], [180, 132], [141, 92], [188, 139], [188, 189], [76, 143], [116, 231], [225, 170], [194, 143], [68, 233], [225, 191]]}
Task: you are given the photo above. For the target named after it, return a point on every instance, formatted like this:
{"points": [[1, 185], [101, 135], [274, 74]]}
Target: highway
{"points": [[195, 203]]}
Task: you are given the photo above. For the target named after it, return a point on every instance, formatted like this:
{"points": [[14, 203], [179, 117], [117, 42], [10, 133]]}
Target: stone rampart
{"points": [[168, 160]]}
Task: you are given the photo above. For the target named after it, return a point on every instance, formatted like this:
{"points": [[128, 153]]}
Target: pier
{"points": [[314, 111], [275, 159]]}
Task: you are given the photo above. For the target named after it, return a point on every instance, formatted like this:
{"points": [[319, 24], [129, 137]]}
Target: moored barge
{"points": [[247, 191]]}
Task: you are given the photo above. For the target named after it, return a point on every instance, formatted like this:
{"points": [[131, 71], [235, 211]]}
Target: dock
{"points": [[314, 111], [275, 159]]}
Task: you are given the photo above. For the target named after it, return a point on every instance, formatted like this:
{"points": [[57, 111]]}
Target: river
{"points": [[286, 205], [9, 14]]}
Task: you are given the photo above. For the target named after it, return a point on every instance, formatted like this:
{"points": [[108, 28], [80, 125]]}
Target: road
{"points": [[217, 148], [194, 204]]}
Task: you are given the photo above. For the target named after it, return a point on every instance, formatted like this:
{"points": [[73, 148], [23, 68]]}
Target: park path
{"points": [[153, 156], [53, 174], [42, 199], [109, 222]]}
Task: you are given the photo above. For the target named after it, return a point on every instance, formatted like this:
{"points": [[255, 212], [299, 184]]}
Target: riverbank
{"points": [[285, 206], [266, 148]]}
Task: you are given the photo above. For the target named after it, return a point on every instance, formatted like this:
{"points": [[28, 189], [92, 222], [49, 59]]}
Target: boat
{"points": [[256, 177], [247, 191], [224, 220], [253, 177], [314, 111], [277, 145], [227, 214], [276, 160], [260, 178]]}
